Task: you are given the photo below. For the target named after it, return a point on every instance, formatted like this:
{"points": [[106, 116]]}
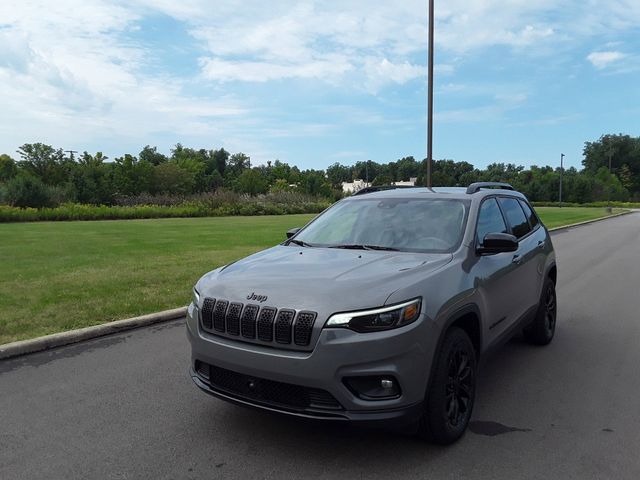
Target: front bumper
{"points": [[404, 354]]}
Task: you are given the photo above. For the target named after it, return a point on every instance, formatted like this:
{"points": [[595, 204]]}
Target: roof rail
{"points": [[475, 187], [380, 188]]}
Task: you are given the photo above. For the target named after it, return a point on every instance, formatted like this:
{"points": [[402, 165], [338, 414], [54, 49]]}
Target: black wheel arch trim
{"points": [[451, 319]]}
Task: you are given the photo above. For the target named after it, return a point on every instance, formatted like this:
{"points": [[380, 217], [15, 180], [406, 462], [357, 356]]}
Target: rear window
{"points": [[515, 216], [533, 220]]}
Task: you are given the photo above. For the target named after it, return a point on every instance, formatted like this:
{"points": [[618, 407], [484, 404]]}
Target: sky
{"points": [[317, 82]]}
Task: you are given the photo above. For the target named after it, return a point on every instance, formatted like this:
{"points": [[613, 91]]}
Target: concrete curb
{"points": [[23, 347], [33, 345], [586, 222]]}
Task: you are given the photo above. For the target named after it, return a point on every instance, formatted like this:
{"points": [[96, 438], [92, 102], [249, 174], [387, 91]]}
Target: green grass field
{"points": [[556, 217], [56, 276]]}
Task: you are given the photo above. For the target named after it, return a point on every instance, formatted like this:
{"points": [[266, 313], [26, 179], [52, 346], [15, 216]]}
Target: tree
{"points": [[91, 179], [131, 176], [170, 178], [337, 174], [219, 159], [238, 162], [313, 182], [251, 181], [45, 162], [151, 155], [280, 185], [382, 180], [624, 150], [8, 168]]}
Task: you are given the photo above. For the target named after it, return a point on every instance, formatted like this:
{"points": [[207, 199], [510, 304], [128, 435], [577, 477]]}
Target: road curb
{"points": [[33, 345], [586, 222]]}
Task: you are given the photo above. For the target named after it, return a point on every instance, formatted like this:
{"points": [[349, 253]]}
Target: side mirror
{"points": [[498, 243], [292, 232]]}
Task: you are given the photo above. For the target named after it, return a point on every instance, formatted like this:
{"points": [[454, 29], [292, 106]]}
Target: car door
{"points": [[496, 275], [539, 240], [525, 258]]}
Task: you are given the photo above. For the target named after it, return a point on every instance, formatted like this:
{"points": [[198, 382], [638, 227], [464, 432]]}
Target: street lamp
{"points": [[366, 167], [561, 171], [610, 154], [430, 97]]}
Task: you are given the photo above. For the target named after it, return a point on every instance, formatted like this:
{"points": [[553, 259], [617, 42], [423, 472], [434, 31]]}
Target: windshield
{"points": [[405, 224]]}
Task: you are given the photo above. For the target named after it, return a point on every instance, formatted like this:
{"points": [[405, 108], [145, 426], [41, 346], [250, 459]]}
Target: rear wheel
{"points": [[543, 328], [449, 400]]}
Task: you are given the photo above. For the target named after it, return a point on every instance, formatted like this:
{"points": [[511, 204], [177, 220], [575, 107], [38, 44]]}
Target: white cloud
{"points": [[72, 69], [601, 60]]}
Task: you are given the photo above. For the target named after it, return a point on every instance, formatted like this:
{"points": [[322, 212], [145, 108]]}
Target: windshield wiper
{"points": [[365, 247], [299, 243]]}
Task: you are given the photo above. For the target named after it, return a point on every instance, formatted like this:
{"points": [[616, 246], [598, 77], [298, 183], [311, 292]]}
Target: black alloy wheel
{"points": [[543, 328], [450, 397], [459, 387]]}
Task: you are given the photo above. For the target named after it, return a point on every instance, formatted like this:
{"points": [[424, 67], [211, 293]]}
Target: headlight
{"points": [[378, 319], [195, 297]]}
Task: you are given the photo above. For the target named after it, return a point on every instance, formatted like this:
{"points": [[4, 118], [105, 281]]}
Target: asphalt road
{"points": [[124, 407]]}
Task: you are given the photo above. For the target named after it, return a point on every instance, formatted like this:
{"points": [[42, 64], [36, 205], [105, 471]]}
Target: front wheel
{"points": [[449, 400], [543, 327]]}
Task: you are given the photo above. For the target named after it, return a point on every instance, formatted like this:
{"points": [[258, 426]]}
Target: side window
{"points": [[533, 219], [515, 216], [489, 219]]}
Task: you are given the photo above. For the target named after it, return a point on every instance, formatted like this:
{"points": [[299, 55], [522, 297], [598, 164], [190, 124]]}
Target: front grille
{"points": [[248, 321], [207, 312], [270, 392], [283, 326], [303, 328], [233, 318], [266, 324], [219, 312]]}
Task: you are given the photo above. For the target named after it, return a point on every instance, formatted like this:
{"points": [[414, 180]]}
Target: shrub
{"points": [[206, 205], [28, 191]]}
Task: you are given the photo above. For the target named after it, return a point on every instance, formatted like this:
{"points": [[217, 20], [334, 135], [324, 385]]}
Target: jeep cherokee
{"points": [[379, 309]]}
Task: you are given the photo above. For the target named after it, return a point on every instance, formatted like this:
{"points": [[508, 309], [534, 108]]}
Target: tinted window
{"points": [[489, 220], [533, 220], [515, 216]]}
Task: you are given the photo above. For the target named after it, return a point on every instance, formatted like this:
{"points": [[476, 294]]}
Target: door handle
{"points": [[541, 244], [517, 259]]}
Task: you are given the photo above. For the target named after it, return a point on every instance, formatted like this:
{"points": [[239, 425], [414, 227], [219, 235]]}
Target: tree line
{"points": [[46, 176]]}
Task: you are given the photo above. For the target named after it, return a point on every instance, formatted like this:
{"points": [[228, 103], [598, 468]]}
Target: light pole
{"points": [[561, 171], [366, 168], [610, 154], [430, 96]]}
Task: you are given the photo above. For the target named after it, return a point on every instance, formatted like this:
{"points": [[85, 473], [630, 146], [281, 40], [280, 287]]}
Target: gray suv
{"points": [[379, 309]]}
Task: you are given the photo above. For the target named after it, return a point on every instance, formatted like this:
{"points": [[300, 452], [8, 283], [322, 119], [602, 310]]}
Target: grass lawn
{"points": [[56, 276], [556, 217]]}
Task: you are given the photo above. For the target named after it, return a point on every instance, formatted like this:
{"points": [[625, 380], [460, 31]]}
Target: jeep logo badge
{"points": [[258, 298]]}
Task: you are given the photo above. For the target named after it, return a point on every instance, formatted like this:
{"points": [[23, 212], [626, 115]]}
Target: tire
{"points": [[543, 327], [450, 397]]}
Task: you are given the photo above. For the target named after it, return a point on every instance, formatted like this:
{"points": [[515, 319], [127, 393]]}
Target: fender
{"points": [[453, 317]]}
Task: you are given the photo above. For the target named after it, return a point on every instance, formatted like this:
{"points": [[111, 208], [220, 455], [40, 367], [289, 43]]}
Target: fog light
{"points": [[373, 387]]}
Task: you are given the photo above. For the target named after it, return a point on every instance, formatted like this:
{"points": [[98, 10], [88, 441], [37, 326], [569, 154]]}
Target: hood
{"points": [[319, 279]]}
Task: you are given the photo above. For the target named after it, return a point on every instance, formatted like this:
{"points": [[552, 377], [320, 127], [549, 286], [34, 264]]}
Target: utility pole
{"points": [[366, 168], [71, 152], [561, 172], [610, 154], [430, 96]]}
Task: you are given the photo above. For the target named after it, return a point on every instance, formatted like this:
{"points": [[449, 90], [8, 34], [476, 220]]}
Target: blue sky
{"points": [[317, 82]]}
